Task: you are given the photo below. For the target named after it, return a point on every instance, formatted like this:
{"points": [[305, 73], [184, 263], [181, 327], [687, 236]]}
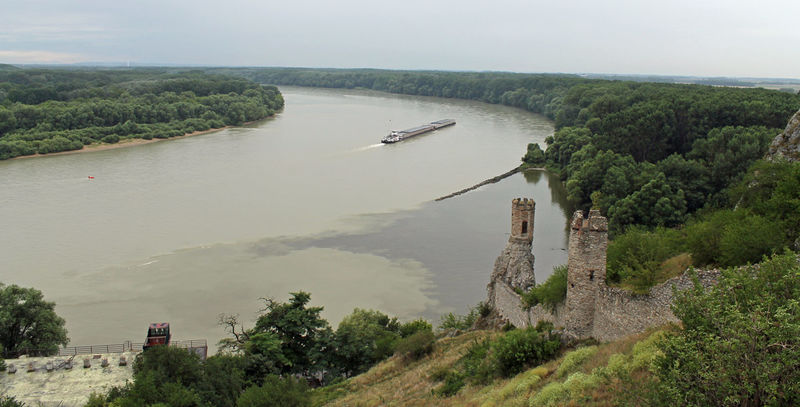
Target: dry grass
{"points": [[615, 370], [674, 266]]}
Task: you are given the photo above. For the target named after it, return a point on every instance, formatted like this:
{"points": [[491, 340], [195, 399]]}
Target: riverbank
{"points": [[132, 142]]}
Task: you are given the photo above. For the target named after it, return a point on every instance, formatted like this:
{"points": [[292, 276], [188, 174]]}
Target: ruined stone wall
{"points": [[619, 312], [592, 308], [509, 305]]}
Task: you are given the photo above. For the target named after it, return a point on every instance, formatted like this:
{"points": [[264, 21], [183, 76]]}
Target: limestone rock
{"points": [[787, 144], [515, 265]]}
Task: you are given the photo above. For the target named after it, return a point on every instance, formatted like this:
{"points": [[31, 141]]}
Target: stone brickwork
{"points": [[586, 265], [522, 212], [592, 308]]}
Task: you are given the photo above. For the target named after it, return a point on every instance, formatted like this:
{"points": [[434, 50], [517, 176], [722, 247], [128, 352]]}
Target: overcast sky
{"points": [[677, 37]]}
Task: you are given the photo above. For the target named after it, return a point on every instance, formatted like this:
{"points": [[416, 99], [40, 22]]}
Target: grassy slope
{"points": [[604, 375]]}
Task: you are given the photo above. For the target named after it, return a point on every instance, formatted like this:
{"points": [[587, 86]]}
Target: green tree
{"points": [[655, 204], [304, 335], [364, 338], [739, 344], [28, 323]]}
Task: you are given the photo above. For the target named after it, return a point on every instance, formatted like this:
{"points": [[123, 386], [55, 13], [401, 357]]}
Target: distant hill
{"points": [[8, 67]]}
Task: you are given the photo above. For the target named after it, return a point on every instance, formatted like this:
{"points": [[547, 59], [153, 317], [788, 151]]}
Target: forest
{"points": [[51, 110]]}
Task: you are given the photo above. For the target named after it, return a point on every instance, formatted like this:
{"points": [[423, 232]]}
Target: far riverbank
{"points": [[91, 148]]}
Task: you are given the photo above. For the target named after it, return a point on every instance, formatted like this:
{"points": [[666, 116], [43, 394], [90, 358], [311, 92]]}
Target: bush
{"points": [[460, 322], [416, 346], [551, 293], [110, 139], [409, 328], [453, 382], [523, 347], [734, 237], [276, 392], [740, 339], [6, 401], [635, 257], [573, 360]]}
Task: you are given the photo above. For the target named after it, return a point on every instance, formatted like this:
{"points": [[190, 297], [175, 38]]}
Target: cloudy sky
{"points": [[678, 37]]}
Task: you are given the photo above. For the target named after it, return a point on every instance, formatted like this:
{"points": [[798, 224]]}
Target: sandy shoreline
{"points": [[129, 142]]}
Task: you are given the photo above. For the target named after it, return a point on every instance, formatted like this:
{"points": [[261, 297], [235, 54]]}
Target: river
{"points": [[184, 230]]}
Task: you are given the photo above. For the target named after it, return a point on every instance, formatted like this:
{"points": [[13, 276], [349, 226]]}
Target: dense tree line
{"points": [[46, 111]]}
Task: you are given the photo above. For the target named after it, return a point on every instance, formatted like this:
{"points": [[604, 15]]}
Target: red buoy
{"points": [[91, 177]]}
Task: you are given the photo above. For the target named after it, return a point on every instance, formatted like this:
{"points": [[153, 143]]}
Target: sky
{"points": [[677, 37]]}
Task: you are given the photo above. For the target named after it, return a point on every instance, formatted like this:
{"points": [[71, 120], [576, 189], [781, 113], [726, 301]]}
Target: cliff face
{"points": [[787, 144], [514, 267]]}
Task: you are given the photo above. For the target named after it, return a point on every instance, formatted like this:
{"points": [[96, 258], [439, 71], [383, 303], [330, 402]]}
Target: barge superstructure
{"points": [[401, 135]]}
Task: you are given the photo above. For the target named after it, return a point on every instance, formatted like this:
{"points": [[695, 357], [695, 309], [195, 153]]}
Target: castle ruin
{"points": [[591, 309]]}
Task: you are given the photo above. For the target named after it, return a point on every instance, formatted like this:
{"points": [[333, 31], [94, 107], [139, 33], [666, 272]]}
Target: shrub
{"points": [[477, 365], [550, 293], [550, 395], [739, 341], [96, 400], [523, 347], [458, 322], [635, 257], [453, 382], [110, 139], [416, 346], [734, 237], [573, 360], [409, 328], [6, 401], [276, 392]]}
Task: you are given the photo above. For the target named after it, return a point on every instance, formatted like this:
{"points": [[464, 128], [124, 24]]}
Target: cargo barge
{"points": [[401, 135]]}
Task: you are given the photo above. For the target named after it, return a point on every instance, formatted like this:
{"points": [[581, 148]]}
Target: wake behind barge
{"points": [[401, 135]]}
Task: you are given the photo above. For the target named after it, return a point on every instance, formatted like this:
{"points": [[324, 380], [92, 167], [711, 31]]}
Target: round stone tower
{"points": [[586, 270], [522, 211]]}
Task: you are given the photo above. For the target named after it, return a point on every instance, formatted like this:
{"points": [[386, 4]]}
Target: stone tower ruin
{"points": [[586, 275], [514, 266], [522, 210]]}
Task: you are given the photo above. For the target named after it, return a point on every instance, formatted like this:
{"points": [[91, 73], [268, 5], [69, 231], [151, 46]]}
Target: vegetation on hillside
{"points": [[47, 111]]}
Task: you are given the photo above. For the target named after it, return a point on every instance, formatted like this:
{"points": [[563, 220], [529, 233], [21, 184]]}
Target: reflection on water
{"points": [[183, 230]]}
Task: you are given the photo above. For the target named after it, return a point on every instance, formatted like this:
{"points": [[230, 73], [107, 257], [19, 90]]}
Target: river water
{"points": [[187, 229]]}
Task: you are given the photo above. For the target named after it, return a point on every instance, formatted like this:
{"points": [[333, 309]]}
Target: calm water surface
{"points": [[186, 229]]}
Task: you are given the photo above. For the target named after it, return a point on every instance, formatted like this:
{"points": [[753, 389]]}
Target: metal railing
{"points": [[113, 348]]}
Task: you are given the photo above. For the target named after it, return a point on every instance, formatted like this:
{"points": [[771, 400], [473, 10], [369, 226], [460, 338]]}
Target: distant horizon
{"points": [[132, 65], [711, 38]]}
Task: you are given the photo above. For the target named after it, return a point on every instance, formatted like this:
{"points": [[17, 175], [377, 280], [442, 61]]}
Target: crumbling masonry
{"points": [[592, 308]]}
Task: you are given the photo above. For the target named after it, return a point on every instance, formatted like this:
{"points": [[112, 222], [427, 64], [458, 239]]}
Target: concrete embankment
{"points": [[63, 380]]}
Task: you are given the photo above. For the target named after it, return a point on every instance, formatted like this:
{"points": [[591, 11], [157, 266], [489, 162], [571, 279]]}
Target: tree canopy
{"points": [[28, 323], [46, 110]]}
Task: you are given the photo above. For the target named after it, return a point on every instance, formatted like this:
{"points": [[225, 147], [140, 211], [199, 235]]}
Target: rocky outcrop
{"points": [[514, 267], [787, 144]]}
